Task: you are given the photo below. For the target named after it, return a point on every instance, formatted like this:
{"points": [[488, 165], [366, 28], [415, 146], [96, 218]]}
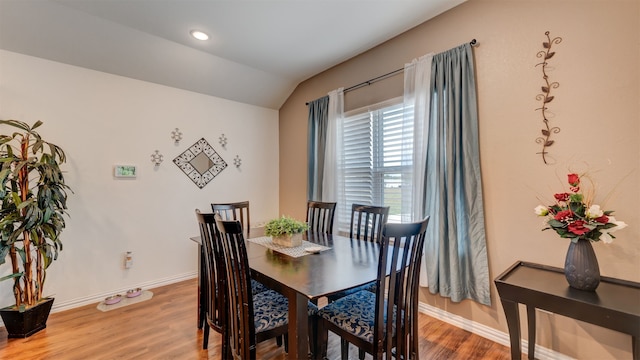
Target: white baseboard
{"points": [[488, 332]]}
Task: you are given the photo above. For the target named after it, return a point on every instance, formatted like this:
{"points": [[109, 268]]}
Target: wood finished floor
{"points": [[165, 328]]}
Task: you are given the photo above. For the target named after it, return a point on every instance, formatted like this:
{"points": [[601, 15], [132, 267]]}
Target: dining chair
{"points": [[367, 222], [214, 308], [234, 211], [239, 211], [320, 216], [256, 317], [384, 322], [215, 312]]}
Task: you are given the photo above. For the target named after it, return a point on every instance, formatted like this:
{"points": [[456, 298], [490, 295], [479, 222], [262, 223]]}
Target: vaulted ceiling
{"points": [[258, 51]]}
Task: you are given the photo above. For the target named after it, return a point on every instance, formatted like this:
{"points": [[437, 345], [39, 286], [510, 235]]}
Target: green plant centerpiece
{"points": [[286, 231], [34, 201]]}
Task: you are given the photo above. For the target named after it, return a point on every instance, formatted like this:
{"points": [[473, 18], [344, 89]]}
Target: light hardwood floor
{"points": [[165, 328]]}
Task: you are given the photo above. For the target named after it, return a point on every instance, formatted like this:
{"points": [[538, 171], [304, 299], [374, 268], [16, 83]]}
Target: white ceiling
{"points": [[259, 50]]}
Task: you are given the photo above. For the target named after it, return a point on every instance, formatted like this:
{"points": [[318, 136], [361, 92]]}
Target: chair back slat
{"points": [[398, 274], [320, 216], [234, 211], [242, 334], [368, 221]]}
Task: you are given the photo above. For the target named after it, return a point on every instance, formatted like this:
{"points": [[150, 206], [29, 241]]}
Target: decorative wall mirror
{"points": [[201, 163]]}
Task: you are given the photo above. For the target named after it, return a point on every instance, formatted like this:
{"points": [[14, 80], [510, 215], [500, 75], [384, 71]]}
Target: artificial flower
{"points": [[606, 236], [575, 218], [541, 210], [594, 212]]}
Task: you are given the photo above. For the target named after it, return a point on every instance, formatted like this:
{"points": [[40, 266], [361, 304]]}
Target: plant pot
{"points": [[288, 240], [26, 323], [581, 266]]}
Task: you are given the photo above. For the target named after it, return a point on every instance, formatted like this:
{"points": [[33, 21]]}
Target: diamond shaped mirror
{"points": [[201, 163]]}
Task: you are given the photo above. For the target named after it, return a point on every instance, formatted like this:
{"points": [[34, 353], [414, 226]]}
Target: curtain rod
{"points": [[473, 42]]}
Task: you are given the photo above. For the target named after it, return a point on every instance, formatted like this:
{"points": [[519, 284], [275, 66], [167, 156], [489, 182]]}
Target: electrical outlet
{"points": [[128, 260]]}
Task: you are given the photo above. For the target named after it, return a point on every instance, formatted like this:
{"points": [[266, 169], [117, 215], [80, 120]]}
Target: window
{"points": [[376, 160]]}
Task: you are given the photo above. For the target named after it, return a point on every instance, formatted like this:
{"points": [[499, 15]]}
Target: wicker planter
{"points": [[26, 323], [288, 240]]}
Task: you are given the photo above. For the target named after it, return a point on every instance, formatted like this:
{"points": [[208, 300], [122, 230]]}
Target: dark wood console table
{"points": [[615, 304]]}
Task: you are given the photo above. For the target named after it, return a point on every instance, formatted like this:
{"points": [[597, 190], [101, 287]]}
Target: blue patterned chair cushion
{"points": [[368, 287], [271, 310], [354, 313], [257, 287]]}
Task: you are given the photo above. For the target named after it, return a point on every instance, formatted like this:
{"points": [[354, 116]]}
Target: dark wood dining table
{"points": [[346, 264]]}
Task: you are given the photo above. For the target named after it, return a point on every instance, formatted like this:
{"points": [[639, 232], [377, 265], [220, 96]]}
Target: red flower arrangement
{"points": [[575, 218]]}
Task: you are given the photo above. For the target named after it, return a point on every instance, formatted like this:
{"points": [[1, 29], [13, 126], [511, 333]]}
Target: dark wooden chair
{"points": [[258, 317], [320, 216], [234, 211], [384, 322], [240, 211], [215, 312], [367, 222], [255, 317]]}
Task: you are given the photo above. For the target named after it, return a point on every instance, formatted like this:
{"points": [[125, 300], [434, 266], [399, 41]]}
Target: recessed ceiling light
{"points": [[199, 35]]}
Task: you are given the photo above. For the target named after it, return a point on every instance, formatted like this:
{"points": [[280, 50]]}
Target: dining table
{"points": [[323, 265]]}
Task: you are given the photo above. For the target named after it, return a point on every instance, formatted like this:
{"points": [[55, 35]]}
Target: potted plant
{"points": [[34, 202], [286, 231]]}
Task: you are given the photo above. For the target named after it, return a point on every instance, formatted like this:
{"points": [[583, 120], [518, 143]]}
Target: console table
{"points": [[615, 304]]}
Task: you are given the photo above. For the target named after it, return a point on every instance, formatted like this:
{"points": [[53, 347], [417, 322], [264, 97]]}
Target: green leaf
{"points": [[11, 276], [36, 125], [556, 224]]}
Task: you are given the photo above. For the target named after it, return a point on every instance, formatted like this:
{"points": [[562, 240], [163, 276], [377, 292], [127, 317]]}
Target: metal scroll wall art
{"points": [[200, 162], [545, 97]]}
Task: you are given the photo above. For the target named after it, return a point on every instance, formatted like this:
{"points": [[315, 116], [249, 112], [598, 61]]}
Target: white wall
{"points": [[101, 120]]}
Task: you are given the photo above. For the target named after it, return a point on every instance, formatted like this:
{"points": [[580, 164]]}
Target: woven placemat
{"points": [[297, 251]]}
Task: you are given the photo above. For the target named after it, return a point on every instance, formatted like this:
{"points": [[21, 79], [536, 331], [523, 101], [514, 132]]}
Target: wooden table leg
{"points": [[298, 326], [531, 328], [635, 347], [513, 323]]}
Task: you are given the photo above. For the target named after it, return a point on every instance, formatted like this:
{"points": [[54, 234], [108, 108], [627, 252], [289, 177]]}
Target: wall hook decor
{"points": [[223, 141], [545, 97], [157, 158], [237, 161], [176, 135]]}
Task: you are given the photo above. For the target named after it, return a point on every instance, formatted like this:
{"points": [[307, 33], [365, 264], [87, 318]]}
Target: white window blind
{"points": [[377, 162]]}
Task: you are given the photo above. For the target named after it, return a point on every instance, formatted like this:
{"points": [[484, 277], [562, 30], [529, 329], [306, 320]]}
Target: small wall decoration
{"points": [[176, 135], [223, 141], [124, 171], [201, 163], [545, 97], [157, 158], [237, 161]]}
